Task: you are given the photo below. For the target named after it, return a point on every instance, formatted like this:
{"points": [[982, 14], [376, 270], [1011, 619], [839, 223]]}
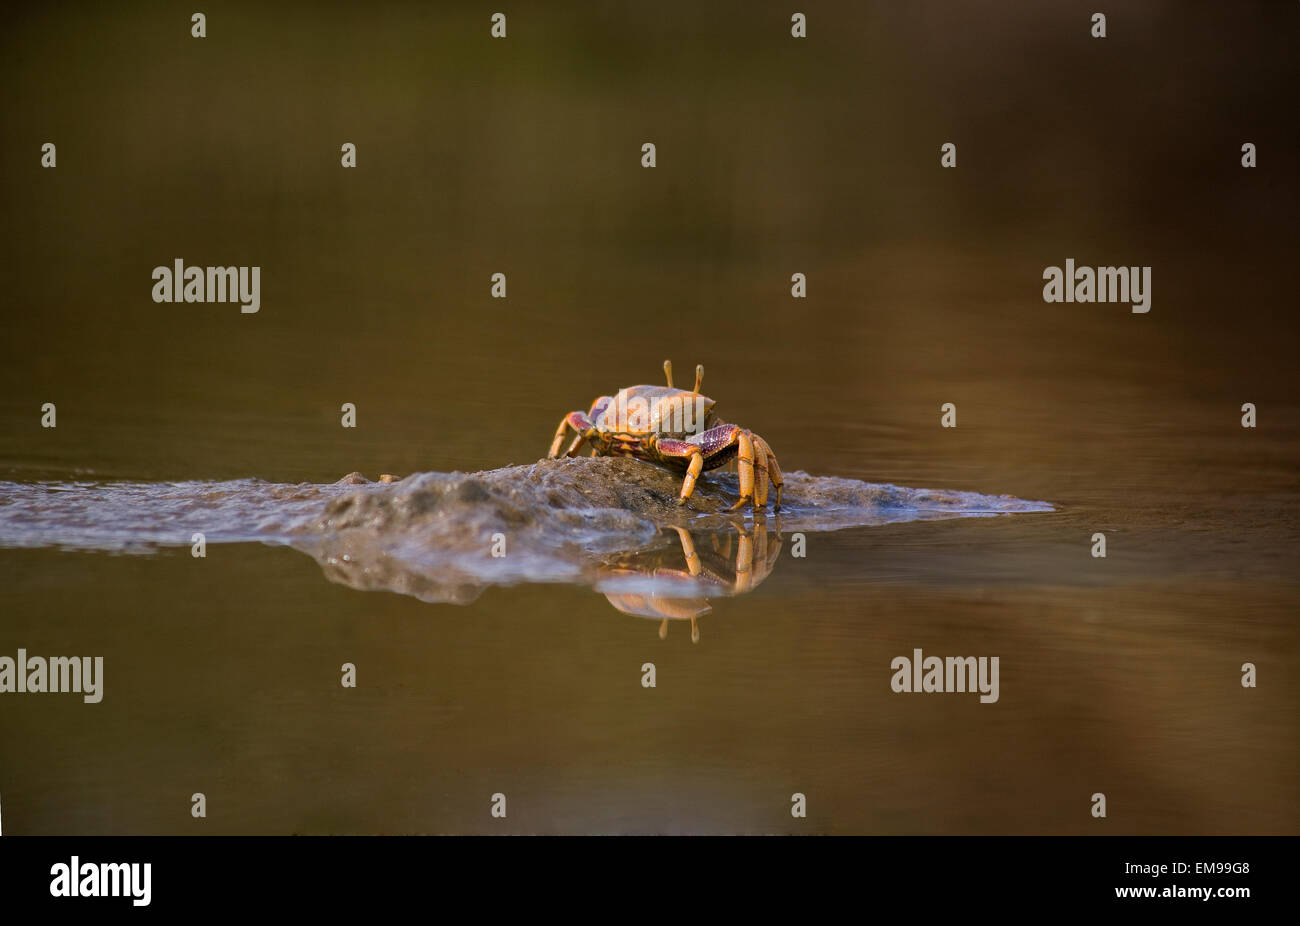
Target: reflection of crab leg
{"points": [[692, 566], [760, 555], [579, 422], [695, 630], [688, 551], [744, 564], [754, 559]]}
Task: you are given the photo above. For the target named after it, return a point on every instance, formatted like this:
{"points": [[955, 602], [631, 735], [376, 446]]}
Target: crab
{"points": [[675, 429]]}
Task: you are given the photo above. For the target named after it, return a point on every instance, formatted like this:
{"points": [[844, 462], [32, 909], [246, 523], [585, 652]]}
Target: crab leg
{"points": [[578, 421], [766, 460], [680, 449], [773, 471], [745, 467], [693, 471], [576, 445], [760, 473], [710, 443], [560, 433]]}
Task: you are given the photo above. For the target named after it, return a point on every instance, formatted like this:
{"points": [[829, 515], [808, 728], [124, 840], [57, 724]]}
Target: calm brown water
{"points": [[1118, 675]]}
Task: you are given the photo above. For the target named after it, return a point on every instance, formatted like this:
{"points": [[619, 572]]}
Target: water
{"points": [[523, 675], [224, 671]]}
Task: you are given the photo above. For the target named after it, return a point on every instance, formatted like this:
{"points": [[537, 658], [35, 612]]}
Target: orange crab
{"points": [[675, 429]]}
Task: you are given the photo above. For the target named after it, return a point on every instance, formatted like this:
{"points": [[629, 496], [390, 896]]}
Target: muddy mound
{"points": [[447, 536]]}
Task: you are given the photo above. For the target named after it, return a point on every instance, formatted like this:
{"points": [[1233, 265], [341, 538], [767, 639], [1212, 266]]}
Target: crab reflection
{"points": [[673, 582], [670, 577]]}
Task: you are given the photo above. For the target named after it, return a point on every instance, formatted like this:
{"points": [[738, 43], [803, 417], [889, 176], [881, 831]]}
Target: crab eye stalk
{"points": [[668, 372]]}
